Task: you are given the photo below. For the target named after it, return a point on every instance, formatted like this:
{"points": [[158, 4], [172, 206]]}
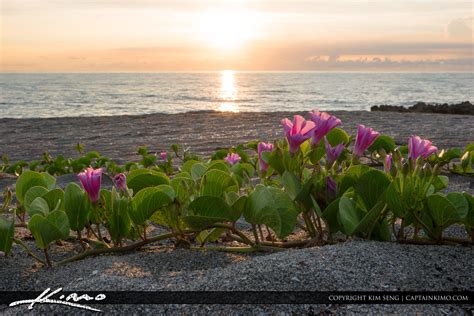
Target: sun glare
{"points": [[228, 92], [228, 30]]}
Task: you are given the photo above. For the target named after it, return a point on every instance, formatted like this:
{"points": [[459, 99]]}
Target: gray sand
{"points": [[353, 265]]}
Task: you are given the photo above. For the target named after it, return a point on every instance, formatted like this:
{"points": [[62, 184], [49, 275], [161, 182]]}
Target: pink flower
{"points": [[297, 131], [120, 182], [420, 147], [91, 180], [164, 155], [332, 153], [261, 148], [388, 163], [325, 122], [232, 158], [365, 137]]}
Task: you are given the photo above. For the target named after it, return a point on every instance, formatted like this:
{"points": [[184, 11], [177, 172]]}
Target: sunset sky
{"points": [[195, 35]]}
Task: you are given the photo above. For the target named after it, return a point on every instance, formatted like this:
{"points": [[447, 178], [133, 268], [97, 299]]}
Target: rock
{"points": [[466, 108]]}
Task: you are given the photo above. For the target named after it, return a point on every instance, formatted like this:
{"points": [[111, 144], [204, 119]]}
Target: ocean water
{"points": [[93, 94]]}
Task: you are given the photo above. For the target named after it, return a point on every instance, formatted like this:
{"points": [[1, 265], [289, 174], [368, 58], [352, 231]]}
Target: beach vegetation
{"points": [[316, 186]]}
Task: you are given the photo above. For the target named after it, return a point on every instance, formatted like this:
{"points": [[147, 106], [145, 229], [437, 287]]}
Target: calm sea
{"points": [[53, 95]]}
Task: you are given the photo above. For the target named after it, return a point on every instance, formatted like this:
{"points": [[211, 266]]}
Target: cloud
{"points": [[386, 63], [460, 28]]}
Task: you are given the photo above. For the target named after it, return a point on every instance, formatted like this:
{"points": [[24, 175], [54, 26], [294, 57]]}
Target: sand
{"points": [[353, 265]]}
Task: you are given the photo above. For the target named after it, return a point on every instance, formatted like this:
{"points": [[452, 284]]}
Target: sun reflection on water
{"points": [[228, 92]]}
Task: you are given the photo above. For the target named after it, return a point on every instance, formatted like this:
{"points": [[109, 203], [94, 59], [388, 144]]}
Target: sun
{"points": [[228, 30]]}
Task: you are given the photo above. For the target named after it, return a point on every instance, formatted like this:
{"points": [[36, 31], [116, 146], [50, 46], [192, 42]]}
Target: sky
{"points": [[253, 35]]}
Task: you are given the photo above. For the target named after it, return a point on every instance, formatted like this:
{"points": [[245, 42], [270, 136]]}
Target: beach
{"points": [[352, 265], [118, 137]]}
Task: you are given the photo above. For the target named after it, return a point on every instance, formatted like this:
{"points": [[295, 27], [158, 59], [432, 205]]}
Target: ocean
{"points": [[96, 94]]}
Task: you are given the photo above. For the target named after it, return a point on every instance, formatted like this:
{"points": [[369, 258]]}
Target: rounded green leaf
{"points": [[27, 180], [77, 206], [442, 210], [7, 230], [139, 179], [45, 230], [39, 206], [272, 207], [337, 136], [371, 186], [207, 210], [146, 202], [349, 215], [197, 170], [216, 182]]}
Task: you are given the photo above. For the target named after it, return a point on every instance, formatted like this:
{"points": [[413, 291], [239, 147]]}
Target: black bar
{"points": [[254, 297]]}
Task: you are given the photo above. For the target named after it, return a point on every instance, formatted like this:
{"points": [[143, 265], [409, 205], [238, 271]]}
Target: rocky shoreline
{"points": [[465, 108]]}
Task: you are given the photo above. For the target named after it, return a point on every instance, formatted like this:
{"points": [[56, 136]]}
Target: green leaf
{"points": [[7, 230], [459, 202], [383, 142], [146, 202], [275, 159], [48, 229], [330, 216], [442, 210], [218, 165], [394, 200], [369, 222], [349, 215], [32, 194], [371, 187], [55, 198], [187, 166], [272, 207], [469, 219], [39, 206], [291, 183], [139, 179], [183, 188], [216, 182], [27, 180], [77, 206], [337, 136], [440, 182], [198, 170], [207, 210], [352, 176], [119, 221]]}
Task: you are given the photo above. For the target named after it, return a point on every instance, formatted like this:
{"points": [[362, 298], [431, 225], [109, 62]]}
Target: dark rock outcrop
{"points": [[465, 107]]}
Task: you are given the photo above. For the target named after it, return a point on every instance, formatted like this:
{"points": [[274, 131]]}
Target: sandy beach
{"points": [[379, 266]]}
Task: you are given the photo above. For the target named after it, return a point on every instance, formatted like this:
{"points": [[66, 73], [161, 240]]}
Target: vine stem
{"points": [[137, 245], [46, 255], [28, 250], [244, 238]]}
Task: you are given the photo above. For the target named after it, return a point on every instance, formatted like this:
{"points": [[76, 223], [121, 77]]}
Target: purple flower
{"points": [[365, 137], [332, 153], [388, 163], [325, 122], [232, 158], [164, 155], [331, 187], [261, 148], [91, 180], [420, 147], [297, 131], [120, 182]]}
